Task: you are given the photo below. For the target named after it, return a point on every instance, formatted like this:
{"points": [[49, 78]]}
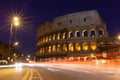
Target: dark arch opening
{"points": [[100, 33], [71, 34], [85, 34], [92, 33], [78, 34]]}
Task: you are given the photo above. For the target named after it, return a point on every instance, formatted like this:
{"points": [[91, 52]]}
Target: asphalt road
{"points": [[59, 72], [11, 73], [50, 72]]}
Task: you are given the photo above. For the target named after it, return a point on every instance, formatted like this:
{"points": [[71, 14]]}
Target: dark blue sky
{"points": [[36, 12]]}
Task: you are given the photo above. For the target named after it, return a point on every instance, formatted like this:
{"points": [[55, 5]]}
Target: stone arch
{"points": [[100, 32], [77, 33], [71, 47], [54, 49], [70, 34], [92, 33], [64, 35], [58, 48], [93, 46], [54, 37], [58, 36], [84, 33], [49, 49], [46, 39], [85, 46], [64, 48], [77, 47]]}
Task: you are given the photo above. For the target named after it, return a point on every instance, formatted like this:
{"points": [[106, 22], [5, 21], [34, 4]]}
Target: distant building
{"points": [[76, 34]]}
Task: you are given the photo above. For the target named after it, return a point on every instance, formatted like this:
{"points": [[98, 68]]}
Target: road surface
{"points": [[73, 72], [59, 72], [11, 74]]}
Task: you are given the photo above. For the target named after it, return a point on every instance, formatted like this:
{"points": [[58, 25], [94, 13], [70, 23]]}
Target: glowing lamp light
{"points": [[119, 37], [85, 47], [16, 43], [16, 21]]}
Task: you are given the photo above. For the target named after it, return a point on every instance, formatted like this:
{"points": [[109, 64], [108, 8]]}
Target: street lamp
{"points": [[16, 43], [15, 22]]}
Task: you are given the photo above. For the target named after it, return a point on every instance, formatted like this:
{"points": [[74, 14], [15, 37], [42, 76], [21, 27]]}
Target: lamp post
{"points": [[15, 22]]}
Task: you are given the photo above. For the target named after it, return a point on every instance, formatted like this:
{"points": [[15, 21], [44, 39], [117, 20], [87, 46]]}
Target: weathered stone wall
{"points": [[81, 28], [85, 19]]}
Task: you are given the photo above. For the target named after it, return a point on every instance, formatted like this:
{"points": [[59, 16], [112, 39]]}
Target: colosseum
{"points": [[71, 35]]}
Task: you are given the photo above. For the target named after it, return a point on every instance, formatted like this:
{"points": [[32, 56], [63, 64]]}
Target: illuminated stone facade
{"points": [[70, 35]]}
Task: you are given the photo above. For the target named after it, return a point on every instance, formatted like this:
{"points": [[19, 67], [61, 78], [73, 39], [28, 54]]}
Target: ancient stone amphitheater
{"points": [[70, 35]]}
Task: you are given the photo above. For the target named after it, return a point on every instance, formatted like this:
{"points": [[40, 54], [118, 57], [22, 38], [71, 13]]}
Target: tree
{"points": [[4, 50]]}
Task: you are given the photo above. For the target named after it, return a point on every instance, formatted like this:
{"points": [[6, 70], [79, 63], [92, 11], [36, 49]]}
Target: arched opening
{"points": [[54, 37], [64, 48], [85, 33], [77, 47], [93, 46], [58, 36], [92, 33], [58, 48], [49, 50], [71, 47], [70, 34], [64, 35], [49, 38], [54, 48], [77, 33], [85, 46], [100, 32]]}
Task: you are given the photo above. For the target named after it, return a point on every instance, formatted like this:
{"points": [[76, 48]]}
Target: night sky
{"points": [[35, 12]]}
